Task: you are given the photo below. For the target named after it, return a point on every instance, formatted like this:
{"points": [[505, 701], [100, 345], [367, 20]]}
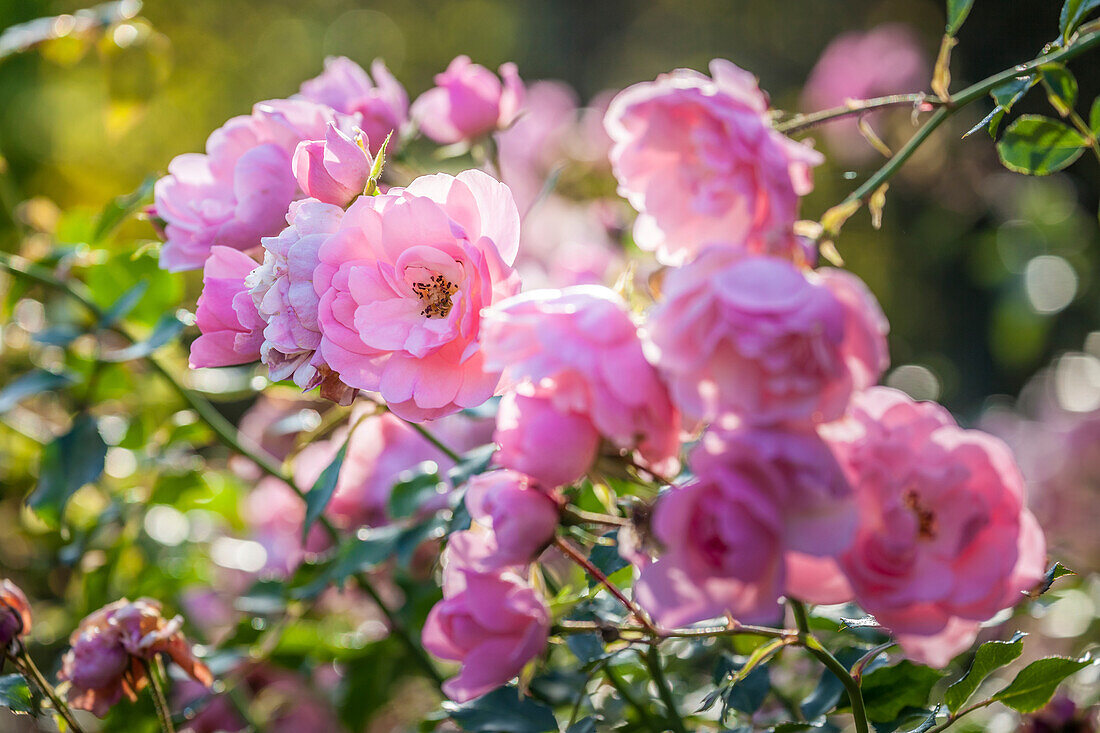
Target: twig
{"points": [[32, 672], [576, 556], [802, 122], [808, 640], [160, 699]]}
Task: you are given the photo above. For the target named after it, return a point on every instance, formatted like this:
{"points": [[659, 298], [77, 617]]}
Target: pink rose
{"points": [[723, 552], [381, 105], [283, 293], [492, 623], [232, 329], [761, 339], [240, 189], [797, 470], [553, 446], [699, 160], [581, 343], [334, 170], [945, 540], [566, 243], [468, 101], [402, 284], [15, 614], [522, 518]]}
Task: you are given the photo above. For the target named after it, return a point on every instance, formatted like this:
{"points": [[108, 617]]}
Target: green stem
{"points": [[567, 626], [574, 515], [958, 101], [954, 718], [629, 698], [397, 626], [427, 435], [802, 122], [39, 680], [653, 661], [160, 699], [815, 647]]}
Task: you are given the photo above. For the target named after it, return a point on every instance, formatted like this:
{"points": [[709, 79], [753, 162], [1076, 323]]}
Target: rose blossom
{"points": [[283, 293], [468, 101], [381, 104], [110, 647], [582, 346], [521, 517], [232, 329], [493, 623], [402, 284], [945, 540], [699, 160], [15, 614], [239, 190], [761, 339], [334, 170], [554, 446]]}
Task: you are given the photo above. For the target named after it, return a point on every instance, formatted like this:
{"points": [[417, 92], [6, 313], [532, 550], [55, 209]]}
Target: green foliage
{"points": [[166, 331], [16, 695], [471, 464], [122, 208], [366, 551], [1094, 117], [888, 690], [30, 384], [502, 711], [1039, 146], [957, 10], [323, 488], [1061, 87], [413, 489], [1073, 15], [606, 557], [1035, 684], [68, 463], [990, 656]]}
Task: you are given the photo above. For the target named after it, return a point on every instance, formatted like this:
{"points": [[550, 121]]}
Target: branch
{"points": [[813, 646], [802, 122], [576, 556]]}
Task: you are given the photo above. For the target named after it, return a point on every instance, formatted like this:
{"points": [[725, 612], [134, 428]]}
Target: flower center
{"points": [[926, 518], [436, 294]]}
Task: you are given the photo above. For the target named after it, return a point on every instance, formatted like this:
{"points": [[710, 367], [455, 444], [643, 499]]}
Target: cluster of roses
{"points": [[805, 480]]}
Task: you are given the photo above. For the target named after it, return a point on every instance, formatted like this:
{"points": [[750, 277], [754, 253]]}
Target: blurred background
{"points": [[989, 279]]}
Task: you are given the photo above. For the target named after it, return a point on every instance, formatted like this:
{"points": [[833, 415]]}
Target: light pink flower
{"points": [[888, 59], [468, 101], [531, 148], [493, 623], [381, 104], [402, 284], [334, 170], [723, 552], [232, 329], [945, 540], [797, 470], [239, 190], [15, 614], [761, 339], [109, 648], [521, 517], [581, 344], [283, 293], [699, 160], [567, 243], [553, 446]]}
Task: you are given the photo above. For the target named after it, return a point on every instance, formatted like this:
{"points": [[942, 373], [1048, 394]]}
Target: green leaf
{"points": [[68, 463], [473, 463], [122, 207], [888, 690], [502, 711], [1094, 117], [584, 725], [957, 10], [1061, 86], [606, 558], [30, 384], [167, 328], [15, 694], [990, 656], [586, 647], [909, 720], [125, 303], [1057, 570], [829, 689], [1073, 14], [323, 488], [414, 488], [1036, 683], [367, 550], [1039, 146]]}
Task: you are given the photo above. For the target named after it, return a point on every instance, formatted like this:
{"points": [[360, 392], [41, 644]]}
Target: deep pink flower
{"points": [[699, 160], [468, 101], [109, 649], [334, 170], [15, 614], [761, 339], [283, 293], [493, 623], [581, 344], [553, 446], [945, 540], [239, 190], [381, 104], [402, 284], [232, 329], [521, 517], [723, 552]]}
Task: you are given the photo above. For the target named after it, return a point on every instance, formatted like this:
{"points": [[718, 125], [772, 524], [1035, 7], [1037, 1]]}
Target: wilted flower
{"points": [[111, 646], [381, 105], [403, 282], [468, 101], [15, 614], [232, 329], [699, 160]]}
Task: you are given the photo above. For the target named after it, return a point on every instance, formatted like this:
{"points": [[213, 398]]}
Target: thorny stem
{"points": [[813, 646], [802, 122], [576, 556], [653, 662], [32, 672], [160, 699]]}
